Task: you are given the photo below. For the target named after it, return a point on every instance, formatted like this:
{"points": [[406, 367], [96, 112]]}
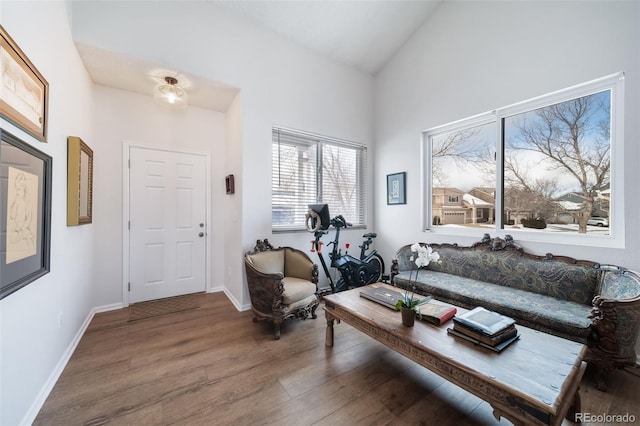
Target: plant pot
{"points": [[408, 317]]}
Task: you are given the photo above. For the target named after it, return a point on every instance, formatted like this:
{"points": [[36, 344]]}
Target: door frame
{"points": [[126, 148]]}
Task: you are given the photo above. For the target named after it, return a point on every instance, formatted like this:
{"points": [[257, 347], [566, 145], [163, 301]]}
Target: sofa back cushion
{"points": [[576, 282], [268, 262]]}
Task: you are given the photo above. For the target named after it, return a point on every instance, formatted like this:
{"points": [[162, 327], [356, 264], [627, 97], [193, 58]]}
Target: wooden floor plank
{"points": [[214, 365]]}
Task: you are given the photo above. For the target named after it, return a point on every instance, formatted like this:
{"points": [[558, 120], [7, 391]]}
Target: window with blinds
{"points": [[310, 169]]}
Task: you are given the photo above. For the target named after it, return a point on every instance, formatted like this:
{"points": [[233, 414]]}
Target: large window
{"points": [[309, 169], [550, 165]]}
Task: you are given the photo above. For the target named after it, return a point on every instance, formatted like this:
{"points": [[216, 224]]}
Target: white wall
{"points": [[281, 83], [230, 228], [120, 117], [472, 57], [39, 321]]}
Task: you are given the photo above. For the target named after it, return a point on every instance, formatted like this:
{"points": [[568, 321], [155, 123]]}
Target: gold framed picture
{"points": [[24, 93], [79, 182]]}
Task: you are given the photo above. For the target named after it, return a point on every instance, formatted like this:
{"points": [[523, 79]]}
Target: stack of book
{"points": [[485, 328]]}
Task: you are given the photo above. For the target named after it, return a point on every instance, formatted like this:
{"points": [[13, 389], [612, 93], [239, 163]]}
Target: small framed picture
{"points": [[229, 184], [396, 191], [25, 93]]}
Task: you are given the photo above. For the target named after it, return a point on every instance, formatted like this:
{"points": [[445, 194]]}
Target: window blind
{"points": [[309, 169]]}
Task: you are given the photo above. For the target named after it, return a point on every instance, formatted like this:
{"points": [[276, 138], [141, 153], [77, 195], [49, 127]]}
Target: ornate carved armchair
{"points": [[283, 283]]}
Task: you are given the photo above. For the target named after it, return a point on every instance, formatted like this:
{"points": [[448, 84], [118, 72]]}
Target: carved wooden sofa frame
{"points": [[280, 292], [611, 297]]}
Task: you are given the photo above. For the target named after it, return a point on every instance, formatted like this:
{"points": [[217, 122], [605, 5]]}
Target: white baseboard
{"points": [[237, 304], [107, 308], [37, 404]]}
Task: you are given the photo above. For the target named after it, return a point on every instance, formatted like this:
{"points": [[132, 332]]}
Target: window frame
{"points": [[616, 238], [361, 170]]}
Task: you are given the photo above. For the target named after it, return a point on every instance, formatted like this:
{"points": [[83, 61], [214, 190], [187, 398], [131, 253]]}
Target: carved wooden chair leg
{"points": [[313, 312]]}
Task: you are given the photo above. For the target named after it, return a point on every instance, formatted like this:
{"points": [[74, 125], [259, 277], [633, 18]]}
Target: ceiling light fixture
{"points": [[169, 94]]}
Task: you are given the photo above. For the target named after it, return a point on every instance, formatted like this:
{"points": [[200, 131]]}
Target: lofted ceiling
{"points": [[361, 34]]}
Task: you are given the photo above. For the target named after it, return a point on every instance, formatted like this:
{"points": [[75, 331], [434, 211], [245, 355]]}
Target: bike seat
{"points": [[370, 235]]}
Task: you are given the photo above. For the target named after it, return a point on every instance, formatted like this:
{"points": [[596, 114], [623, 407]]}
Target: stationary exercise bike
{"points": [[354, 272]]}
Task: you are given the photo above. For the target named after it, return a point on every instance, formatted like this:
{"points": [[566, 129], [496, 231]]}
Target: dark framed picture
{"points": [[25, 93], [396, 191], [25, 213]]}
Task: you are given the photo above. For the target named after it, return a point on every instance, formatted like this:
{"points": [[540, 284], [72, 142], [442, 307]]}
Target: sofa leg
{"points": [[277, 332], [313, 312], [599, 373], [599, 377]]}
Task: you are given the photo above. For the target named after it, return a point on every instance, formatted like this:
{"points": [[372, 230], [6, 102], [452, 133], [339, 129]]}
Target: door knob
{"points": [[201, 234]]}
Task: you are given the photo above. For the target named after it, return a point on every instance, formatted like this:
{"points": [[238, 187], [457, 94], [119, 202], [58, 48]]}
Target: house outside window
{"points": [[309, 169], [551, 165]]}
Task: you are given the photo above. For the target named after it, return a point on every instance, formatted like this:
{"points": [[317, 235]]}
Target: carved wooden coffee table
{"points": [[533, 381]]}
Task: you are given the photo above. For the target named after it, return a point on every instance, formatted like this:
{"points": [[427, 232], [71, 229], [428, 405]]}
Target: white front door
{"points": [[167, 211]]}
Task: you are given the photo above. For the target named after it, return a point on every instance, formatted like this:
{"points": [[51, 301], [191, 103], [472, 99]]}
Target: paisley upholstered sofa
{"points": [[580, 300]]}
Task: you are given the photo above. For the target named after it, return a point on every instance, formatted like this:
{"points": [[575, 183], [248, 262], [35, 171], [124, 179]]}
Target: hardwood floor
{"points": [[214, 366]]}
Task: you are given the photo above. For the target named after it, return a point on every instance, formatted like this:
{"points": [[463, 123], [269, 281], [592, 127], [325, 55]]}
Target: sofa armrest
{"points": [[616, 318], [394, 269]]}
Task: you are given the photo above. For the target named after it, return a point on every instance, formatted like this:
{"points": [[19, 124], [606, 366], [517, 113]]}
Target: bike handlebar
{"points": [[339, 222]]}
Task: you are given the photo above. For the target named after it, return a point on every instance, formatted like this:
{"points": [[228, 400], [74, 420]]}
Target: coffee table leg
{"points": [[576, 407], [329, 336]]}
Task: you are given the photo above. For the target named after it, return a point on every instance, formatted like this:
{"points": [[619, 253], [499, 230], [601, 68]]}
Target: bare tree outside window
{"points": [[557, 150], [545, 165], [339, 180]]}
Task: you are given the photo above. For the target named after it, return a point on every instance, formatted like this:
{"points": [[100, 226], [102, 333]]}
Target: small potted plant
{"points": [[409, 304]]}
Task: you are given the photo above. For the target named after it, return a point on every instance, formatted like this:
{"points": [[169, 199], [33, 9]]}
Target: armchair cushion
{"points": [[297, 264], [268, 262], [296, 289]]}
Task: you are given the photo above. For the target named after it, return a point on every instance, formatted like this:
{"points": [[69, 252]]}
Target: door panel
{"points": [[167, 224]]}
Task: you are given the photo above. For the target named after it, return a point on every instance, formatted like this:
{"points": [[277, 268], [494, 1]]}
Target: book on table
{"points": [[382, 295], [436, 312], [484, 321], [496, 348], [494, 340]]}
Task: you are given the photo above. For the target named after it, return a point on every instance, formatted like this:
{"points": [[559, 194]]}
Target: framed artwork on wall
{"points": [[79, 182], [25, 213], [396, 191], [25, 93]]}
